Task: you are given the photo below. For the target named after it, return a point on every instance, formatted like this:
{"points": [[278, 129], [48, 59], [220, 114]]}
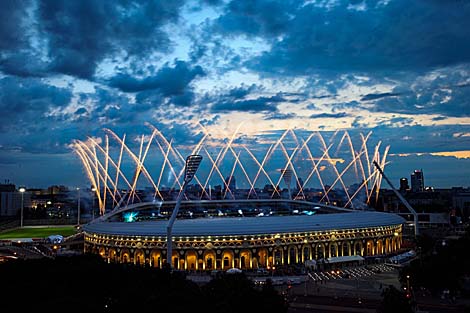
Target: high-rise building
{"points": [[231, 183], [404, 184], [417, 181]]}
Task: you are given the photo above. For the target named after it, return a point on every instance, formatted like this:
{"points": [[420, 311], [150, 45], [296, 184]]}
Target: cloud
{"points": [[279, 116], [76, 36], [330, 115], [260, 104], [395, 35], [375, 96], [168, 80]]}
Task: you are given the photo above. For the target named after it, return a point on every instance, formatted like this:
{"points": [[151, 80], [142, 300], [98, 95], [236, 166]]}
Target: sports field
{"points": [[38, 232]]}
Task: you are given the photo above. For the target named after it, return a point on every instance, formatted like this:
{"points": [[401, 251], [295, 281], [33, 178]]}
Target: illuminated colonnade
{"points": [[246, 252]]}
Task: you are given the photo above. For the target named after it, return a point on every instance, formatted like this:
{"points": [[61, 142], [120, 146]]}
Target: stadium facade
{"points": [[290, 232]]}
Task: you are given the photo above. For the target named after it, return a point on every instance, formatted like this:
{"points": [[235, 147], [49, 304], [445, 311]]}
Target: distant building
{"points": [[231, 182], [10, 200], [417, 181], [404, 184]]}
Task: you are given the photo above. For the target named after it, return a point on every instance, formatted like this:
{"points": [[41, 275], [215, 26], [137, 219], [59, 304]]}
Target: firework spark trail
{"points": [[353, 152], [218, 171], [364, 145], [237, 158], [315, 165], [133, 157], [230, 179], [106, 170], [359, 189], [165, 157], [211, 170], [333, 165], [342, 173], [280, 177], [376, 172], [196, 150], [88, 158], [119, 165], [111, 160], [261, 168], [301, 190], [289, 163], [361, 166], [382, 165], [97, 178], [99, 166]]}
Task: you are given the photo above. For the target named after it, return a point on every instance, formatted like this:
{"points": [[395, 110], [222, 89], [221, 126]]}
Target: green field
{"points": [[38, 232]]}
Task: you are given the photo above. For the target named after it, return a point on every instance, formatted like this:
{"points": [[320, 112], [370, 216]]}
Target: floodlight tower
{"points": [[287, 176], [191, 166]]}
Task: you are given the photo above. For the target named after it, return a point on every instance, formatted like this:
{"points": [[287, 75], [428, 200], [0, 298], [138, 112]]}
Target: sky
{"points": [[70, 69]]}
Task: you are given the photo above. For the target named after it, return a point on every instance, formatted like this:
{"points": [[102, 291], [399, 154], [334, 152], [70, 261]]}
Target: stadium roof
{"points": [[248, 225]]}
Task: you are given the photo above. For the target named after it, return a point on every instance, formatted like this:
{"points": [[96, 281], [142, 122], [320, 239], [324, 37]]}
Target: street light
{"points": [[93, 203], [22, 190], [191, 166], [78, 207]]}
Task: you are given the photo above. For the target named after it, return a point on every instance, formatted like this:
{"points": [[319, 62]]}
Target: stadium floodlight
{"points": [[192, 164]]}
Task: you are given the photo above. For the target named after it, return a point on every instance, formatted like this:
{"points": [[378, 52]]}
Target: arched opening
{"points": [[112, 256], [387, 245], [358, 248], [191, 260], [209, 260], [125, 256], [156, 259], [292, 255], [227, 259], [263, 257], [278, 256], [320, 251], [175, 260], [306, 253], [102, 253], [379, 247], [345, 248], [139, 257], [333, 249], [370, 248], [245, 259]]}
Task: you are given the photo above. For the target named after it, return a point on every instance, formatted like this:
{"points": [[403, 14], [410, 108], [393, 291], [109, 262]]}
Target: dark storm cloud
{"points": [[78, 35], [168, 80], [394, 36], [280, 116], [27, 100], [375, 96], [12, 14], [260, 104], [330, 115]]}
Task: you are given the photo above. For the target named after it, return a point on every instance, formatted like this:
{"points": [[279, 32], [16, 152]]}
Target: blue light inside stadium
{"points": [[309, 212], [129, 217]]}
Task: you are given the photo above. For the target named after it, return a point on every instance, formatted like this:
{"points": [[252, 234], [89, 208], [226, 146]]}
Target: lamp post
{"points": [[22, 191], [78, 207], [93, 203], [191, 166]]}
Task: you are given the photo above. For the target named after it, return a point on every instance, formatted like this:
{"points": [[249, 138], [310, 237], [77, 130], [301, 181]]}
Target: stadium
{"points": [[245, 234]]}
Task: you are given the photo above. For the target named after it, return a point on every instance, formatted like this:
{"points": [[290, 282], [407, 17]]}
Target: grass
{"points": [[38, 232]]}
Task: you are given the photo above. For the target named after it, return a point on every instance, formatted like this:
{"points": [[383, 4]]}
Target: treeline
{"points": [[87, 284]]}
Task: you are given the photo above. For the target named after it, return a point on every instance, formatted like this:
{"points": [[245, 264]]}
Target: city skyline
{"points": [[69, 70]]}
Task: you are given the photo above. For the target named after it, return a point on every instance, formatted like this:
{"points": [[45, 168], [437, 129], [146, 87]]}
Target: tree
{"points": [[394, 301]]}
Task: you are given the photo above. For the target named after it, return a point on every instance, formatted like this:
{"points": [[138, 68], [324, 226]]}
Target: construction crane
{"points": [[402, 199]]}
